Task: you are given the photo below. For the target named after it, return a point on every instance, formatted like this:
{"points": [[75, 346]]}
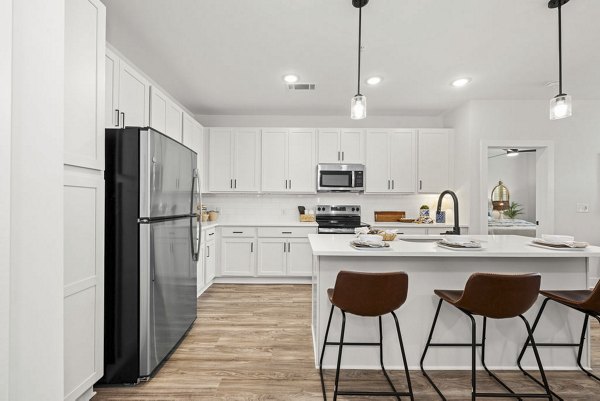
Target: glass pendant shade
{"points": [[561, 106], [358, 107]]}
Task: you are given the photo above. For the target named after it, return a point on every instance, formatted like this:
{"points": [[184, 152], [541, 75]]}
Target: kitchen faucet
{"points": [[456, 230]]}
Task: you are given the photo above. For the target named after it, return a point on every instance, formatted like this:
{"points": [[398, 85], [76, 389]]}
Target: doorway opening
{"points": [[517, 188]]}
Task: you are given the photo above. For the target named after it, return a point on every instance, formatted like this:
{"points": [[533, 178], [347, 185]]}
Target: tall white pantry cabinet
{"points": [[85, 38]]}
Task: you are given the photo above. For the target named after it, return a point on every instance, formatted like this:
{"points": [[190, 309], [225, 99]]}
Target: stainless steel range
{"points": [[338, 219]]}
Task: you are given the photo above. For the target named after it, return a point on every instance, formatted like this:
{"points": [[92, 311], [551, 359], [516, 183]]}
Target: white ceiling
{"points": [[228, 56]]}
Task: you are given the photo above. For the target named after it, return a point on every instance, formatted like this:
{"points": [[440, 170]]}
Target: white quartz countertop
{"points": [[508, 246], [250, 223], [385, 224]]}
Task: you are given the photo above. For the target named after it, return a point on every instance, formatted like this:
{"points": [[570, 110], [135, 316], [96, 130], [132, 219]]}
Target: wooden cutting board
{"points": [[389, 216]]}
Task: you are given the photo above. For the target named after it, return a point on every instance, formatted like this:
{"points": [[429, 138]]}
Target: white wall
{"points": [[5, 140], [518, 175], [577, 156], [36, 230], [320, 121]]}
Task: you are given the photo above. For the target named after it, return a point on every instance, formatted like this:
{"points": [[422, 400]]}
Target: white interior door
{"points": [[246, 160], [271, 256], [329, 146], [274, 166], [301, 163], [220, 163], [403, 161], [352, 146], [378, 162]]}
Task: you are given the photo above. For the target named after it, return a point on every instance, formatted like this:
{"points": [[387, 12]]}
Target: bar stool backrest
{"points": [[592, 304], [370, 294], [500, 296]]}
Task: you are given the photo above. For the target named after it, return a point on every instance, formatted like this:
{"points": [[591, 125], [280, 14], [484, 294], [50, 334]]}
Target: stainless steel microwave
{"points": [[340, 178]]}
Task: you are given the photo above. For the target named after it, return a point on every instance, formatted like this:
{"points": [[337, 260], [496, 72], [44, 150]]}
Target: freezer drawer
{"points": [[167, 288]]}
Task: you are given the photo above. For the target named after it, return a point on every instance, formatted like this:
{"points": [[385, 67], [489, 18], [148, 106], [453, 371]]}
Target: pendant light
{"points": [[561, 104], [358, 105]]}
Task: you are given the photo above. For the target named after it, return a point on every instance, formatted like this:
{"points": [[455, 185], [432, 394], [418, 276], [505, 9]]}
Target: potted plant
{"points": [[424, 211], [513, 210]]}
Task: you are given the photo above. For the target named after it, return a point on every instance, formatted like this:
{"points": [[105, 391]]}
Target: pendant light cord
{"points": [[359, 43], [560, 48]]}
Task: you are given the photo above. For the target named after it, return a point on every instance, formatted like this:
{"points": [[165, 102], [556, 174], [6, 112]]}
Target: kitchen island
{"points": [[429, 267]]}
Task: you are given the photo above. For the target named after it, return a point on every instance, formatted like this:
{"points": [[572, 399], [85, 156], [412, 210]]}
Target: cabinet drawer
{"points": [[243, 232], [284, 232], [209, 234]]}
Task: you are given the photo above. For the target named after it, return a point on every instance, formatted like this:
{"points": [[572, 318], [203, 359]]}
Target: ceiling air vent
{"points": [[301, 87]]}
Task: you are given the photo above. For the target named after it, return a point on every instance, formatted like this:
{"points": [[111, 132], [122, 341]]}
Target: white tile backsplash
{"points": [[245, 207]]}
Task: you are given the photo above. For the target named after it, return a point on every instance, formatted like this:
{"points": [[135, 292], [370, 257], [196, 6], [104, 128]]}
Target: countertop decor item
{"points": [[307, 218], [424, 211], [213, 215], [389, 216]]}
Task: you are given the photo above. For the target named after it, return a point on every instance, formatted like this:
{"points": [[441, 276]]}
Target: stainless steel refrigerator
{"points": [[151, 245]]}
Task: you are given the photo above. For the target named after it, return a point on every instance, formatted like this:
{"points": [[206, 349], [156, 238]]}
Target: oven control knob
{"points": [[357, 209], [353, 209]]}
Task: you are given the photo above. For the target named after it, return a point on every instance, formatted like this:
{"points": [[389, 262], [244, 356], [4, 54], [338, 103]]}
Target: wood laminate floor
{"points": [[253, 342]]}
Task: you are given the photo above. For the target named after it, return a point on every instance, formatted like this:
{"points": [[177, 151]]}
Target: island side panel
{"points": [[504, 337]]}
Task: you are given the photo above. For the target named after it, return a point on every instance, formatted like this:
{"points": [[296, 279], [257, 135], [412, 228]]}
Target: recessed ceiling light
{"points": [[459, 83], [374, 80], [290, 78]]}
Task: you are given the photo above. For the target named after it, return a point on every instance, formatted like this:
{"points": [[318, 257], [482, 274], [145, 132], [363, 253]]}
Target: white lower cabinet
{"points": [[210, 258], [284, 251], [238, 256], [299, 257], [272, 256], [200, 268]]}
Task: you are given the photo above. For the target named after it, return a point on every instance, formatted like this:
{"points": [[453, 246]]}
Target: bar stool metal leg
{"points": [[435, 318], [339, 361], [410, 390], [323, 353], [381, 358], [537, 357]]}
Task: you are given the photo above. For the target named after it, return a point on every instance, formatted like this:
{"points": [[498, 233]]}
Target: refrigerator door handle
{"points": [[194, 214]]}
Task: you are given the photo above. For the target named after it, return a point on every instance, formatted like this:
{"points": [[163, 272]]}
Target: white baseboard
{"points": [[458, 368], [263, 280]]}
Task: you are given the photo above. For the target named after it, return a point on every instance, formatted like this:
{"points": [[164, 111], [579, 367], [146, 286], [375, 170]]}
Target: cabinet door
{"points": [[238, 257], [271, 256], [220, 163], [193, 138], [158, 110], [274, 168], [174, 120], [402, 161], [210, 254], [246, 160], [435, 170], [299, 257], [302, 168], [111, 90], [329, 146], [352, 146], [378, 162], [133, 96]]}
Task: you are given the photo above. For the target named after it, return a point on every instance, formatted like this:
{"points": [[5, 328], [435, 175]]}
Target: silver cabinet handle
{"points": [[290, 184], [420, 184], [286, 232], [238, 232], [392, 184], [208, 251], [252, 247], [117, 124], [123, 115], [388, 184], [289, 247], [339, 158], [284, 248], [342, 156], [231, 183], [235, 183], [211, 234], [286, 184]]}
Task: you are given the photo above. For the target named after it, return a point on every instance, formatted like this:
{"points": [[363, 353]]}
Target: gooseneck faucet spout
{"points": [[456, 230]]}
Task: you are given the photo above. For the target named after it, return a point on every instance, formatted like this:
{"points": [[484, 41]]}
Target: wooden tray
{"points": [[307, 218], [389, 216]]}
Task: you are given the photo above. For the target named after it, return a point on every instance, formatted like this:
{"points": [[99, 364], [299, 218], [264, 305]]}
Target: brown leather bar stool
{"points": [[494, 296], [584, 301], [373, 295]]}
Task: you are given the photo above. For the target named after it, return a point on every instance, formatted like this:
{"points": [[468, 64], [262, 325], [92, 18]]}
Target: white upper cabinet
{"points": [[234, 160], [84, 84], [165, 115], [390, 164], [193, 138], [288, 160], [435, 166], [111, 89], [134, 95], [341, 146]]}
